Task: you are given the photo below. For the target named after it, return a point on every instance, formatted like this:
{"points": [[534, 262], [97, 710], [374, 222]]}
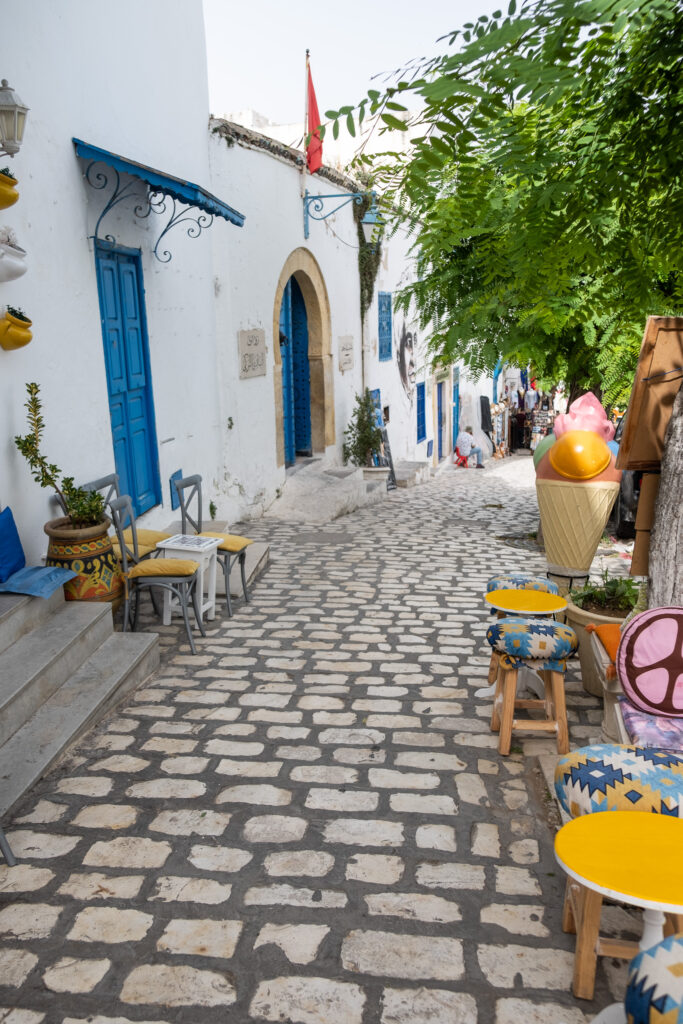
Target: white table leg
{"points": [[653, 928], [211, 587], [612, 1014], [485, 691]]}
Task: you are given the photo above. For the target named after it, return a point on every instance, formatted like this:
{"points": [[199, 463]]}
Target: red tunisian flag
{"points": [[314, 150]]}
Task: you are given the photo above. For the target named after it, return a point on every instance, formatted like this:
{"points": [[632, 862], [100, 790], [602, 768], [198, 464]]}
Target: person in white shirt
{"points": [[466, 446]]}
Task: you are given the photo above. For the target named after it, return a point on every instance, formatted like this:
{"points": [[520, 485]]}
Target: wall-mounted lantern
{"points": [[12, 120]]}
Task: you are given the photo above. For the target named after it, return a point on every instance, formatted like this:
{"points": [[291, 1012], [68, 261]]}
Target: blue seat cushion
{"points": [[537, 639], [11, 552], [617, 777], [521, 581]]}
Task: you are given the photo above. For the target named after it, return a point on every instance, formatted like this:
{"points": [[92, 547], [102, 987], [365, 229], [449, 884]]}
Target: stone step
{"points": [[20, 614], [37, 664], [120, 664]]}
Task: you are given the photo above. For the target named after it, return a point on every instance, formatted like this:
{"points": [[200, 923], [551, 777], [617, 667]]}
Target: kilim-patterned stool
{"points": [[655, 984], [543, 646], [612, 777], [515, 581]]}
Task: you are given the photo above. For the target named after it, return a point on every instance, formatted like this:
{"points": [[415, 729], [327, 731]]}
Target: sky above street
{"points": [[256, 49]]}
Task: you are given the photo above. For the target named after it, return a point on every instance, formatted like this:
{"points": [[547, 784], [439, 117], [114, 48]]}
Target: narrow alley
{"points": [[309, 821]]}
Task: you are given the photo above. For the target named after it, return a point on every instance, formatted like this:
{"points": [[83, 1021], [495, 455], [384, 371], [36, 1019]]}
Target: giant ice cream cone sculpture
{"points": [[576, 485]]}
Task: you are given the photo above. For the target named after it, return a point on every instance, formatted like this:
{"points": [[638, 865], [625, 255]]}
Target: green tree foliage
{"points": [[363, 436], [544, 185]]}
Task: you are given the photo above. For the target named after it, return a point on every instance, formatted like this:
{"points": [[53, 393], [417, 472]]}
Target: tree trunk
{"points": [[666, 542]]}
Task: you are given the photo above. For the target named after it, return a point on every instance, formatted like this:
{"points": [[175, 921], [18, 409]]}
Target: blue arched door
{"points": [[296, 378]]}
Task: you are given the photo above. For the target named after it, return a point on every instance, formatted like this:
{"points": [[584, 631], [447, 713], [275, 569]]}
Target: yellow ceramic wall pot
{"points": [[15, 332], [8, 191]]}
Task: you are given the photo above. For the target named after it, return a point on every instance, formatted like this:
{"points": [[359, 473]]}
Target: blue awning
{"points": [[183, 191]]}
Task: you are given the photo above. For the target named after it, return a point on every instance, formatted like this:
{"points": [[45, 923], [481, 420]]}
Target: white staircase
{"points": [[62, 667]]}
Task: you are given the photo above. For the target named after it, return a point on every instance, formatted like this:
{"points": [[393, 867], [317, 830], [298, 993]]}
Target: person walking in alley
{"points": [[466, 446]]}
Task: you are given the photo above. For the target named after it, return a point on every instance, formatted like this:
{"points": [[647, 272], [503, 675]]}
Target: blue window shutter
{"points": [[384, 306], [421, 421]]}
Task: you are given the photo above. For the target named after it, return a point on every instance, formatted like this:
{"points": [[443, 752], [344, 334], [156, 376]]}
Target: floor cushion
{"points": [[651, 730], [615, 777], [650, 661]]}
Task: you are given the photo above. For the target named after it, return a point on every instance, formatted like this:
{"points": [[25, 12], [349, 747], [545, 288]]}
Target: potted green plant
{"points": [[608, 600], [363, 437], [79, 540], [8, 188], [12, 256], [15, 329]]}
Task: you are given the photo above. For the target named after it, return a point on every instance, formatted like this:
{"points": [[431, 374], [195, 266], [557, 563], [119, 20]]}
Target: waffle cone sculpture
{"points": [[577, 484]]}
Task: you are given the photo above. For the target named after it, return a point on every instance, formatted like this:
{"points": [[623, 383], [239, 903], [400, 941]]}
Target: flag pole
{"points": [[303, 165]]}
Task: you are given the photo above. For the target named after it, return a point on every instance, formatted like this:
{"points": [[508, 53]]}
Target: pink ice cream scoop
{"points": [[586, 413]]}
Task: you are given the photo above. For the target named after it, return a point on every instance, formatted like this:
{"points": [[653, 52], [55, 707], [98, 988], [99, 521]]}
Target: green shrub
{"points": [[363, 436]]}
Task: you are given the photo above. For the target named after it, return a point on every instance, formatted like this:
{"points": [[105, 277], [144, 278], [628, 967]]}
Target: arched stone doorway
{"points": [[302, 266]]}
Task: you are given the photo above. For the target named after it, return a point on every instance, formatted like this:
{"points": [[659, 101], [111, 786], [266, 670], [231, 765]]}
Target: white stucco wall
{"points": [[129, 82]]}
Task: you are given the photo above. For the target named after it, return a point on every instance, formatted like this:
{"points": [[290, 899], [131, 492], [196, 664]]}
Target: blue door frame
{"points": [[440, 417], [296, 375], [456, 407], [129, 379]]}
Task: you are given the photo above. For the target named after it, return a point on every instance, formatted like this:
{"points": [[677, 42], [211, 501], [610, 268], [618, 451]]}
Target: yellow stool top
{"points": [[628, 855], [525, 602]]}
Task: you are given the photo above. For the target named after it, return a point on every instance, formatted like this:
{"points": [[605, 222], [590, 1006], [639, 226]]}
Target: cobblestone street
{"points": [[309, 822]]}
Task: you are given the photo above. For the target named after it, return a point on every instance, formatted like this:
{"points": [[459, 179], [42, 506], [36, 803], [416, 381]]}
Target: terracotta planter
{"points": [[12, 262], [14, 333], [578, 619], [8, 191], [89, 553]]}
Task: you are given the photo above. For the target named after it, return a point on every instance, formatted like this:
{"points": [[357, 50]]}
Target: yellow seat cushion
{"points": [[231, 542], [143, 550], [164, 567], [146, 538]]}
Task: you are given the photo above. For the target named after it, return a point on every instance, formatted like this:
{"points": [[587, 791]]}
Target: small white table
{"points": [[201, 550]]}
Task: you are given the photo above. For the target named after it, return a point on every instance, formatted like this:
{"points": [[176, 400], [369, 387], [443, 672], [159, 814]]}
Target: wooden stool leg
{"points": [[548, 688], [586, 958], [509, 685], [557, 683], [493, 667], [568, 919], [674, 924], [495, 711]]}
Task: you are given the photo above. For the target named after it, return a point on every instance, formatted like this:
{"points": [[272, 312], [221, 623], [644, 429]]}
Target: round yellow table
{"points": [[525, 602], [633, 857]]}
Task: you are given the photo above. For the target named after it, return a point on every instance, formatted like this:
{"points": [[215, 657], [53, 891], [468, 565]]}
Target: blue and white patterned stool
{"points": [[543, 646], [654, 991], [514, 581], [612, 777]]}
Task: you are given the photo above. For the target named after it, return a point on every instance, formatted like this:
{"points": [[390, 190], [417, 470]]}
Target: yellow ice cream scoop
{"points": [[579, 455]]}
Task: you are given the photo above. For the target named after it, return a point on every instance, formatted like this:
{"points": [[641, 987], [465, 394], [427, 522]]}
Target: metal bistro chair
{"points": [[177, 575], [147, 539], [232, 547]]}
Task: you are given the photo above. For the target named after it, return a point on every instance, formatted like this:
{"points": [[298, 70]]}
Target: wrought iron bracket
{"points": [[314, 206], [157, 202]]}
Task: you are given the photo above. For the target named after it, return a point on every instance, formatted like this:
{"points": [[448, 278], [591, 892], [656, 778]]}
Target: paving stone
{"points": [[359, 755], [177, 986], [23, 878], [267, 796], [429, 1006], [435, 875], [164, 745], [516, 882], [16, 965], [351, 737], [299, 942], [125, 763], [128, 852], [274, 828], [414, 906], [485, 840], [376, 868], [287, 732], [167, 789], [513, 1011], [17, 1016], [386, 778], [414, 957], [40, 845], [323, 773], [233, 748], [96, 886], [308, 1001], [341, 800], [516, 918], [71, 974], [44, 813], [363, 832], [299, 862], [109, 924], [419, 739], [184, 765], [201, 937], [190, 822], [411, 803], [17, 922], [537, 968], [436, 837], [524, 851], [427, 759], [289, 896], [249, 769], [111, 816], [300, 753]]}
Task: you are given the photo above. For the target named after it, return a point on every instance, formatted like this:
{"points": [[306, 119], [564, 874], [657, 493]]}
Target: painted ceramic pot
{"points": [[14, 333], [89, 553], [8, 191], [12, 262]]}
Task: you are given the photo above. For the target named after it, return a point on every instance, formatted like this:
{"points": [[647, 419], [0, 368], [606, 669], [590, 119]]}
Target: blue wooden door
{"points": [[128, 377], [301, 372], [440, 416], [456, 406], [287, 381]]}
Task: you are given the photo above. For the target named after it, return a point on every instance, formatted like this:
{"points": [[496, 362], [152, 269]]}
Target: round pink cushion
{"points": [[650, 661]]}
